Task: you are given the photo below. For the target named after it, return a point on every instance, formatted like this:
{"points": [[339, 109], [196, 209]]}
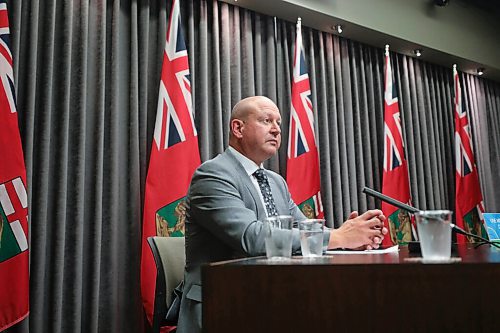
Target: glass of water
{"points": [[278, 237], [434, 232], [311, 237]]}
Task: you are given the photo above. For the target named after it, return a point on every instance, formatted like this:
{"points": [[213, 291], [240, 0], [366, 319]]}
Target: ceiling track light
{"points": [[480, 71], [418, 52]]}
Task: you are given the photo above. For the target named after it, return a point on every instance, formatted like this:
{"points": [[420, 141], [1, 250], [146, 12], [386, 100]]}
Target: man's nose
{"points": [[276, 128]]}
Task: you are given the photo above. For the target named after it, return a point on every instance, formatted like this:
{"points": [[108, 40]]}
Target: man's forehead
{"points": [[265, 113], [267, 107]]}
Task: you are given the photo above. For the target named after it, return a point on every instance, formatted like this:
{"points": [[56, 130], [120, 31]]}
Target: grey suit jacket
{"points": [[223, 221]]}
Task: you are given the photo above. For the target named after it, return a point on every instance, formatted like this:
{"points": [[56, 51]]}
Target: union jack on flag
{"points": [[302, 137], [469, 204], [174, 154], [174, 117], [303, 160], [464, 153], [7, 94], [393, 135]]}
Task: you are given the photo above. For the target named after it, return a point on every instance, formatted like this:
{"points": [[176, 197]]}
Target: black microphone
{"points": [[390, 200], [413, 210]]}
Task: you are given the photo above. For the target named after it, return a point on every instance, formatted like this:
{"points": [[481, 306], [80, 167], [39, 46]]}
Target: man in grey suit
{"points": [[226, 207]]}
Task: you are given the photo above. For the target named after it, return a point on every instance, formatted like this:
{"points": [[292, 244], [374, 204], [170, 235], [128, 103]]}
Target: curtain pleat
{"points": [[87, 77]]}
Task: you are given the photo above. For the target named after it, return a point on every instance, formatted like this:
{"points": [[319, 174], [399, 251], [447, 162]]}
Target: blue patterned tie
{"points": [[265, 189]]}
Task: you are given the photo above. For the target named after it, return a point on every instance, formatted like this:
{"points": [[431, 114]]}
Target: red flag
{"points": [[14, 254], [174, 154], [395, 181], [469, 205], [303, 162]]}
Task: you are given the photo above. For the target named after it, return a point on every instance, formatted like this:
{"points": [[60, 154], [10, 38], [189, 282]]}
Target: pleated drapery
{"points": [[87, 76]]}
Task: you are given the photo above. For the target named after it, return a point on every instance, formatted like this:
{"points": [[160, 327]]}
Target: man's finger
{"points": [[353, 215], [369, 214], [375, 223]]}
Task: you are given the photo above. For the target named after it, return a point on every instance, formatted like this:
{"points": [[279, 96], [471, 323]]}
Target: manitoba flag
{"points": [[303, 162], [395, 181], [469, 200], [174, 154], [14, 255]]}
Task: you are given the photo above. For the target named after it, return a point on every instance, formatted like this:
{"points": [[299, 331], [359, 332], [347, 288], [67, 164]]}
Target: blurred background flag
{"points": [[14, 254], [395, 181], [174, 154], [469, 207], [303, 162]]}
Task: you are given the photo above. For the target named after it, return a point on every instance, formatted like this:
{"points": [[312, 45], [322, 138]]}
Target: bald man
{"points": [[225, 207]]}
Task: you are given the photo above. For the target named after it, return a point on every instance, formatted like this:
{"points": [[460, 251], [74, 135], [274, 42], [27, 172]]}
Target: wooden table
{"points": [[355, 293]]}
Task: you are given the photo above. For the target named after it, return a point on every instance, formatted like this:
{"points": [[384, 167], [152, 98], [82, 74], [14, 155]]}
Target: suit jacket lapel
{"points": [[242, 174], [281, 206]]}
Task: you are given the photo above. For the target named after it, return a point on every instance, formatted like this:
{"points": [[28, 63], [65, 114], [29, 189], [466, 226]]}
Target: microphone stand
{"points": [[413, 210]]}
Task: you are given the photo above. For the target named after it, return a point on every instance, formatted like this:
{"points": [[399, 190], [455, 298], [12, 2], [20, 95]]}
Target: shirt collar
{"points": [[249, 165]]}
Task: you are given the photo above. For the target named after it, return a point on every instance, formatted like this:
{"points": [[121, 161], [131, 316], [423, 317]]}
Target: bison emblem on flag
{"points": [[170, 220]]}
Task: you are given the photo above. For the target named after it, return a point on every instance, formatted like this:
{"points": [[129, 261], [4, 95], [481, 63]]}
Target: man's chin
{"points": [[274, 144], [272, 150]]}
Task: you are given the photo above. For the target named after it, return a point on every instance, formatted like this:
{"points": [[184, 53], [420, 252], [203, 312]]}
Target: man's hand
{"points": [[364, 231]]}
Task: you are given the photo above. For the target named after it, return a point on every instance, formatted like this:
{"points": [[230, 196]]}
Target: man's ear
{"points": [[237, 127]]}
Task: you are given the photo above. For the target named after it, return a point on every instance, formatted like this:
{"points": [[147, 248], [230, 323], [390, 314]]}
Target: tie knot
{"points": [[260, 174]]}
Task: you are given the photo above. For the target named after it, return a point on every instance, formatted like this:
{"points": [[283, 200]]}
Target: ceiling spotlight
{"points": [[338, 28], [418, 52], [441, 3], [480, 71]]}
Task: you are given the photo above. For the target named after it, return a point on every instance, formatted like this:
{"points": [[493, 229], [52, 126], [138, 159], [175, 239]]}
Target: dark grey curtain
{"points": [[87, 76], [347, 85]]}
